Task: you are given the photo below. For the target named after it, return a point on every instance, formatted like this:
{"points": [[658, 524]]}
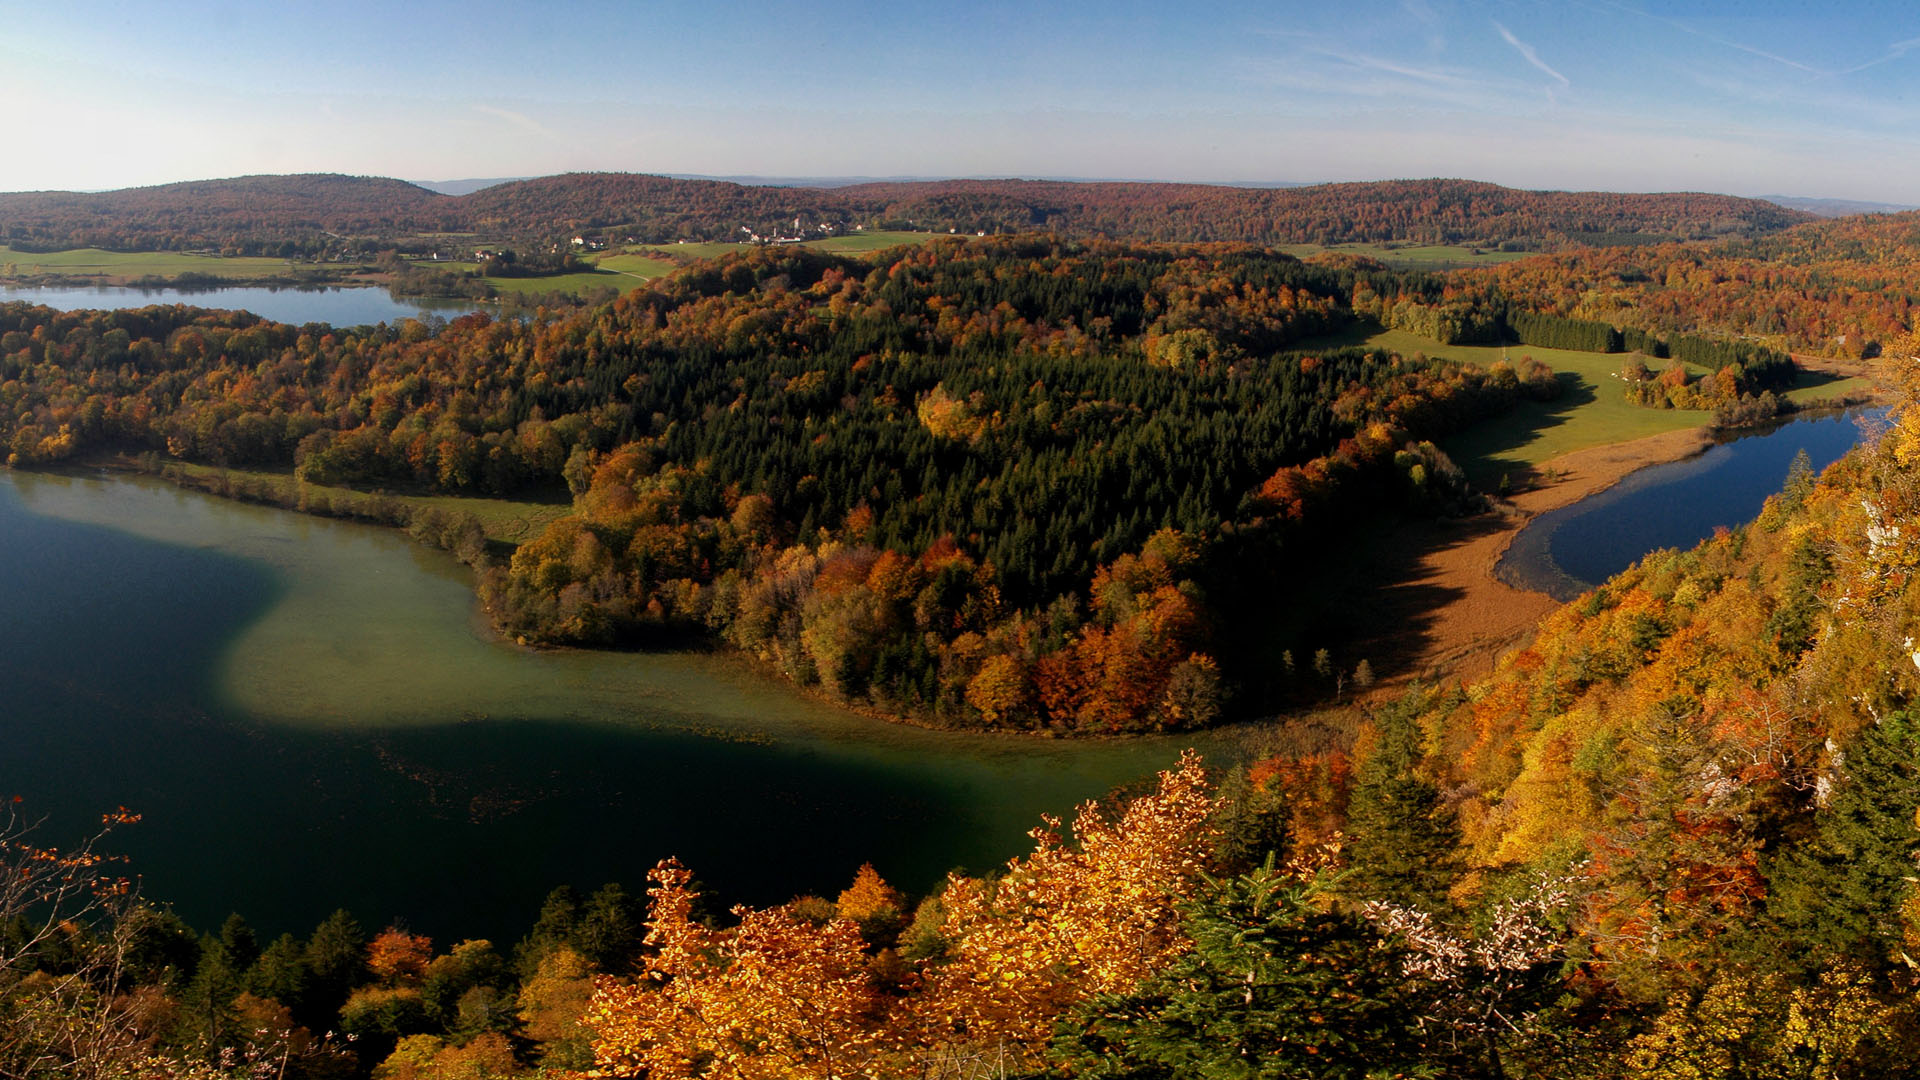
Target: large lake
{"points": [[310, 715], [1565, 552], [333, 305]]}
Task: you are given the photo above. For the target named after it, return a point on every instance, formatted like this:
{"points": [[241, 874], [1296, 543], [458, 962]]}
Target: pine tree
{"points": [[1842, 893], [1276, 985], [1402, 841], [336, 961], [559, 915], [1252, 824]]}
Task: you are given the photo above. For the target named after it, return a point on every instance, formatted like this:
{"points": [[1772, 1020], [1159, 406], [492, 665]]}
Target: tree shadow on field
{"points": [[1393, 605], [1492, 449]]}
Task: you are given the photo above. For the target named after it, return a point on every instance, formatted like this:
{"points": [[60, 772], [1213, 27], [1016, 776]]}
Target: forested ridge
{"points": [[1014, 483], [311, 215], [1843, 287], [1673, 837]]}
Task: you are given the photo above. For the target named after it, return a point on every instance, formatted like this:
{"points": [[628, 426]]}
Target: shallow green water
{"points": [[310, 715]]}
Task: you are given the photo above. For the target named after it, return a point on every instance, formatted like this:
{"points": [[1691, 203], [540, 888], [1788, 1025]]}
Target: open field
{"points": [[565, 283], [508, 521], [704, 250], [1592, 409], [1414, 256], [878, 240], [95, 263], [1829, 379], [633, 264]]}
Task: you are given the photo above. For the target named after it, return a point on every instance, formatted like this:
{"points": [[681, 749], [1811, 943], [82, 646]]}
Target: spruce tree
{"points": [[1841, 893], [1276, 985], [1402, 840]]}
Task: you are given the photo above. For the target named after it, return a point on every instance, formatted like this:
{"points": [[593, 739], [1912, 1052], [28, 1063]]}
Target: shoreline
{"points": [[1484, 618], [1487, 617], [1462, 637]]}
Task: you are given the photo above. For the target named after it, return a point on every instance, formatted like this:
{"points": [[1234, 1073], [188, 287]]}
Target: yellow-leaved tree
{"points": [[776, 996], [783, 994], [1069, 920]]}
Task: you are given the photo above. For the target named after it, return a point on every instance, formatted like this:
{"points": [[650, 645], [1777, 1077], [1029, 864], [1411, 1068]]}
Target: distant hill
{"points": [[312, 213], [1835, 207], [249, 214]]}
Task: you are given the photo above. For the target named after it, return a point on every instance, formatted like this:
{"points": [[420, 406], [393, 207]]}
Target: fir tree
{"points": [[1842, 893], [1276, 985], [1402, 840]]}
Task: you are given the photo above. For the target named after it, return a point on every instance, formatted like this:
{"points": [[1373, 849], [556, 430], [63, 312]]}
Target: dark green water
{"points": [[1565, 552], [309, 716]]}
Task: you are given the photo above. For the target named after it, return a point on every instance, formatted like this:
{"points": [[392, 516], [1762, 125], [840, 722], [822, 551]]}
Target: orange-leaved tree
{"points": [[784, 993], [1069, 920], [776, 996]]}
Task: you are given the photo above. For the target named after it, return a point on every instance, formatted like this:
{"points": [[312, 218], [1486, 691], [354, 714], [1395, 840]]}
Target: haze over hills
{"points": [[465, 187], [1829, 208], [318, 212]]}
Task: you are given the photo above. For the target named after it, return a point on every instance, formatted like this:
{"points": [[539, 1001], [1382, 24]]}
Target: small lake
{"points": [[310, 714], [334, 305], [1565, 552]]}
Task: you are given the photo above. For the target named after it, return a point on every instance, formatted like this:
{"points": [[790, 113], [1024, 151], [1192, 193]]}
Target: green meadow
{"points": [[877, 240], [93, 262], [508, 521], [635, 264], [1592, 409], [1414, 256]]}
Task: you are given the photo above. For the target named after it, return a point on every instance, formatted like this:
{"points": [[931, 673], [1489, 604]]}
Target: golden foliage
{"points": [[776, 996], [1070, 920], [783, 995], [868, 896]]}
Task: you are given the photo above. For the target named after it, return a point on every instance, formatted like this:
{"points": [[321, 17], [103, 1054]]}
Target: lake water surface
{"points": [[1565, 552], [333, 305], [309, 715]]}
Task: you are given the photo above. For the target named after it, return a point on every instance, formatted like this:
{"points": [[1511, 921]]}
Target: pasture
{"points": [[1406, 256], [107, 266], [1592, 409]]}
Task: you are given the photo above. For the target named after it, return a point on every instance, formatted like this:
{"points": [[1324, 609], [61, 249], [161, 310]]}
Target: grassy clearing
{"points": [[1592, 409], [1414, 256], [676, 252], [1818, 386], [574, 284], [93, 262], [633, 264], [878, 240], [509, 521]]}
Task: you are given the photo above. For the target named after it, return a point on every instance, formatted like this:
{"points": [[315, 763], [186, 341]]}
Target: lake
{"points": [[311, 714], [333, 305], [1565, 552]]}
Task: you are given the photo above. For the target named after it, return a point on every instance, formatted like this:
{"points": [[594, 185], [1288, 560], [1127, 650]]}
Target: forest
{"points": [[1672, 837], [1000, 483], [329, 216]]}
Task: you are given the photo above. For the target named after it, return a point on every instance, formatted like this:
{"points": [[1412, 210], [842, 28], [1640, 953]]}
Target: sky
{"points": [[1745, 98]]}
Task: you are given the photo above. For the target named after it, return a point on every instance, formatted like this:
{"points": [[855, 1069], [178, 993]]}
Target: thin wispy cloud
{"points": [[519, 120], [1331, 73], [1531, 56], [1439, 76], [1894, 52], [1718, 40]]}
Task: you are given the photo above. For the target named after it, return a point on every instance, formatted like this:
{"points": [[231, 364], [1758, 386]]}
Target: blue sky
{"points": [[1745, 98]]}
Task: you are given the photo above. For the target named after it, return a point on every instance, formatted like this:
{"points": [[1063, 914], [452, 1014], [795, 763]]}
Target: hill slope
{"points": [[315, 212]]}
